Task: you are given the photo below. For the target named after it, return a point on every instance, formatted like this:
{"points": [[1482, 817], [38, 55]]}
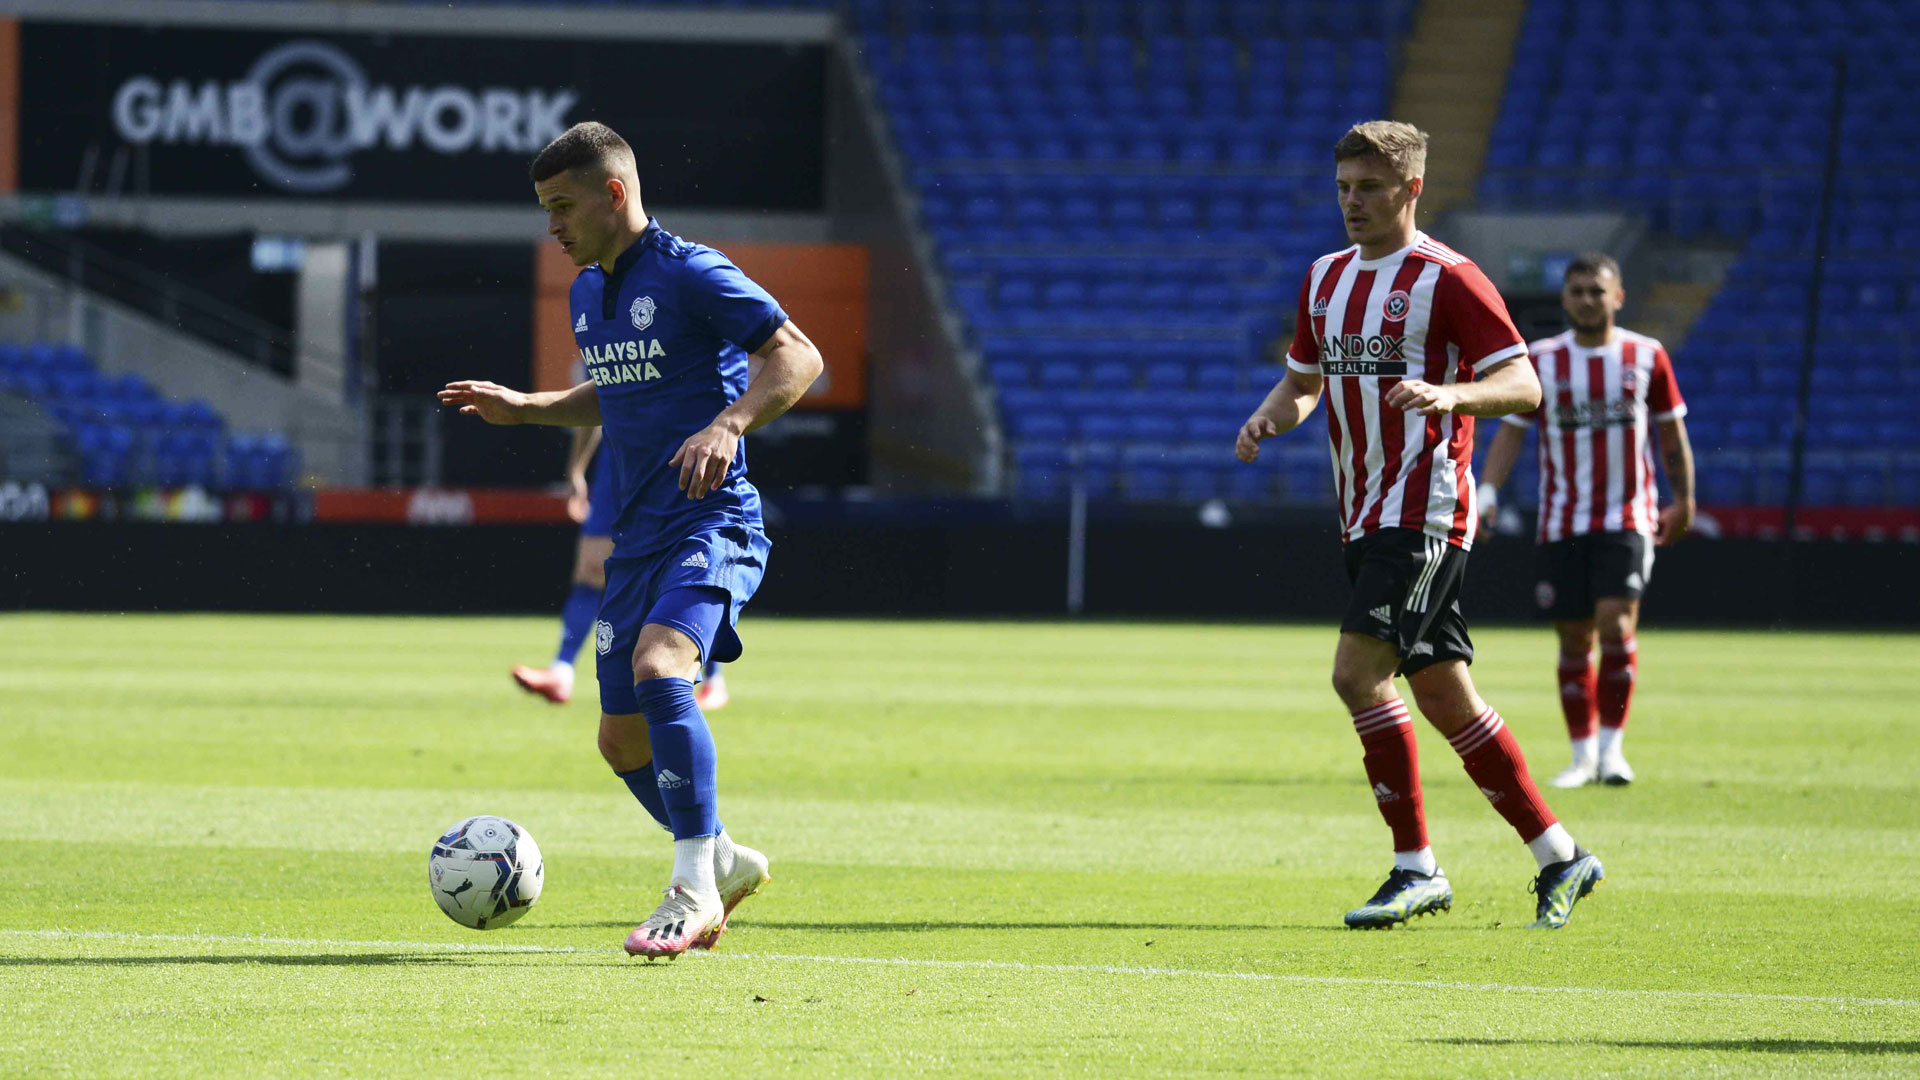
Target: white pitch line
{"points": [[997, 965]]}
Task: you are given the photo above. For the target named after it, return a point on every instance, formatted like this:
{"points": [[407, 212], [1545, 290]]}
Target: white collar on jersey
{"points": [[1374, 264]]}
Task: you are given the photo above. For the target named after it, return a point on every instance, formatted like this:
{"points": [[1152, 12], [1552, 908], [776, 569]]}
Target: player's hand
{"points": [[704, 458], [1675, 521], [489, 401], [1257, 427], [1422, 397], [577, 504]]}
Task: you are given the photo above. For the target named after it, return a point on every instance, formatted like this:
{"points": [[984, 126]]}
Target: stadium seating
{"points": [[123, 432], [1713, 119], [1123, 198]]}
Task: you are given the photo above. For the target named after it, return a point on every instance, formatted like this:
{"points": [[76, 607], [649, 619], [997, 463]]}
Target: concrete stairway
{"points": [[1667, 309], [1453, 69]]}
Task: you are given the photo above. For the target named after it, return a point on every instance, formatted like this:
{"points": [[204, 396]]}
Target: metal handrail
{"points": [[191, 310]]}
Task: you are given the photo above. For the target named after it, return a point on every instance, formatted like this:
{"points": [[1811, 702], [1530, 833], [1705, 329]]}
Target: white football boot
{"points": [[741, 879], [1584, 770], [1614, 770], [680, 921]]}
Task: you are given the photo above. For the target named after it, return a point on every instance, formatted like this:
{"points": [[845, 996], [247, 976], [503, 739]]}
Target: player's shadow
{"points": [[269, 959], [937, 927], [1757, 1046]]}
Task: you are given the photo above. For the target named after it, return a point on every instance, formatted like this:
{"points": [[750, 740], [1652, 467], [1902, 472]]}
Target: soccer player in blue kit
{"points": [[664, 328]]}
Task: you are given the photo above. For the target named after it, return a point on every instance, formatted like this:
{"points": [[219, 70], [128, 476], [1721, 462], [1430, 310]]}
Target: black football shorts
{"points": [[1406, 592], [1571, 575]]}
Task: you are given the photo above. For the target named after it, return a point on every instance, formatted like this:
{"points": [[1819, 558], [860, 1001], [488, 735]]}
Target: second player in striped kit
{"points": [[1605, 389]]}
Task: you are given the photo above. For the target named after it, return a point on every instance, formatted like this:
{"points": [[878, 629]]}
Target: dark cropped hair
{"points": [[1592, 262], [591, 145]]}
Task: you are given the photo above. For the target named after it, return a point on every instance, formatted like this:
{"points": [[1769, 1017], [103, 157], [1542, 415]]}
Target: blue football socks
{"points": [[646, 787], [684, 764], [576, 621]]}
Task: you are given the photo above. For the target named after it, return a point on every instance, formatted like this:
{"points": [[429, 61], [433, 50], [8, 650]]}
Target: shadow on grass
{"points": [[469, 959], [270, 959], [1757, 1046], [940, 927]]}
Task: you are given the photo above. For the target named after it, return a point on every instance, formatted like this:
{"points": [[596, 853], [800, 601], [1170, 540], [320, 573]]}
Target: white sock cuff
{"points": [[693, 864], [1420, 862], [1554, 845]]}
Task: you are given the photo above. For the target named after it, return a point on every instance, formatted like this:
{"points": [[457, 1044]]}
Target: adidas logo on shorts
{"points": [[1384, 613], [698, 558]]}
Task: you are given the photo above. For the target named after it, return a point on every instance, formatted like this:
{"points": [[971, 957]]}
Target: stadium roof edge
{"points": [[544, 21]]}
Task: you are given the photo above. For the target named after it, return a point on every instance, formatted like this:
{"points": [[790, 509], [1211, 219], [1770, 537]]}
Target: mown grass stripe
{"points": [[996, 965]]}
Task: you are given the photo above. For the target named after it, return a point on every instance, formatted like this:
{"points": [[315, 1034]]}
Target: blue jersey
{"points": [[665, 339]]}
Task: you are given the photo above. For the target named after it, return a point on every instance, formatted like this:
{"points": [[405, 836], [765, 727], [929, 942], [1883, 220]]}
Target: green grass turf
{"points": [[999, 848]]}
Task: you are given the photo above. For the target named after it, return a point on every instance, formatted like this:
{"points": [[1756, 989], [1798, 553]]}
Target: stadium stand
{"points": [[122, 432], [1719, 128], [1122, 193], [1122, 197]]}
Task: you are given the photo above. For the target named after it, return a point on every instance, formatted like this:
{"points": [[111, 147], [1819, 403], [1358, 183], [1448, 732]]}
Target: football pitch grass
{"points": [[998, 849]]}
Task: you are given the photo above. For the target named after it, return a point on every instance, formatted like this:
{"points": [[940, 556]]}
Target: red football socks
{"points": [[1619, 667], [1577, 694], [1493, 759], [1393, 767]]}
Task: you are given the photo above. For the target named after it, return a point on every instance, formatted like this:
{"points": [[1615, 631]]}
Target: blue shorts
{"points": [[602, 505], [729, 558]]}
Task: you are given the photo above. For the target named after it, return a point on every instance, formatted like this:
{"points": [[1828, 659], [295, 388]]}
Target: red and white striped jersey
{"points": [[1424, 312], [1596, 461]]}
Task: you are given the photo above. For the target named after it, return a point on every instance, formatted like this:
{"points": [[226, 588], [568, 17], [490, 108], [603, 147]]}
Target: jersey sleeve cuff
{"points": [[1674, 413], [1515, 351], [1304, 369], [1517, 420], [764, 332]]}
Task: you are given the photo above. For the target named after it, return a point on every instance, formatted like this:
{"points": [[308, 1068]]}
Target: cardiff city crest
{"points": [[603, 637], [642, 312]]}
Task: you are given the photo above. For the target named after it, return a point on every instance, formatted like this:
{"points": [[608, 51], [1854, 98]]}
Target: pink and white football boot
{"points": [[556, 686], [677, 925]]}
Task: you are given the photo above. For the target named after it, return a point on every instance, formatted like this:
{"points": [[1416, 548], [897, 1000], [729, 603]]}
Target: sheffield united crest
{"points": [[1397, 305]]}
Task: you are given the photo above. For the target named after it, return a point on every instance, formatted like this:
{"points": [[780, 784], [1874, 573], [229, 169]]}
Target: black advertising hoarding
{"points": [[406, 117]]}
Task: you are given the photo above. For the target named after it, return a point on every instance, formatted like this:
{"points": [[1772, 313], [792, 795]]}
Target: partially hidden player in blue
{"points": [[590, 503], [664, 328]]}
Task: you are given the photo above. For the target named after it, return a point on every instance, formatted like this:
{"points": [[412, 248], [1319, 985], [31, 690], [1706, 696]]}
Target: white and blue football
{"points": [[485, 872]]}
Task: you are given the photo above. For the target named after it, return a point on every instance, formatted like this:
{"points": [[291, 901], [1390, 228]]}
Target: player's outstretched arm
{"points": [[1676, 451], [1286, 405], [1510, 388], [789, 364], [496, 404]]}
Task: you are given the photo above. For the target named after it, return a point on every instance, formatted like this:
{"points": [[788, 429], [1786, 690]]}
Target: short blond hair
{"points": [[1402, 146]]}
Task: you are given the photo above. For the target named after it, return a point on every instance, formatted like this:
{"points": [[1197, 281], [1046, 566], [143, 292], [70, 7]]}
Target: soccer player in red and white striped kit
{"points": [[1603, 387], [1411, 342]]}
